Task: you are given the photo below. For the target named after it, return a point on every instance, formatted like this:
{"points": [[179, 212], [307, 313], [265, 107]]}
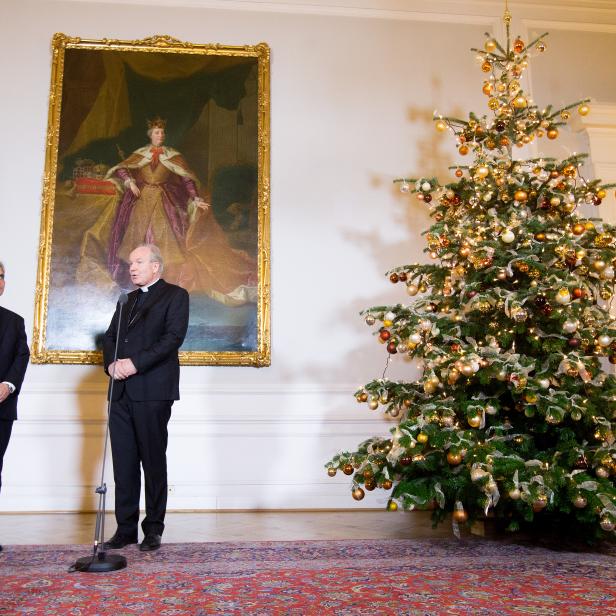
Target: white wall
{"points": [[353, 90]]}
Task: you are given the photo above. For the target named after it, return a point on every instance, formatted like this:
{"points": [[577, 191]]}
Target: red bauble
{"points": [[384, 335], [394, 277], [391, 347]]}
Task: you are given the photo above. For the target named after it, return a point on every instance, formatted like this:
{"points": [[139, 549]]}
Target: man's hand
{"points": [[201, 204], [121, 369], [4, 392], [134, 188], [115, 371], [126, 366]]}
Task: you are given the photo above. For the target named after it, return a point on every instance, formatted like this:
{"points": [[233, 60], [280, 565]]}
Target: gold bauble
{"points": [[521, 196], [580, 502], [540, 47], [583, 109], [331, 471], [599, 265], [488, 88], [514, 494], [429, 388], [540, 503], [440, 126], [454, 458], [490, 45], [601, 193], [474, 421], [552, 133], [518, 45], [387, 484], [493, 104], [578, 228], [602, 472], [520, 102], [486, 67], [565, 115], [422, 437], [347, 469], [392, 506], [460, 516], [358, 494], [463, 150], [569, 171], [482, 171], [607, 524]]}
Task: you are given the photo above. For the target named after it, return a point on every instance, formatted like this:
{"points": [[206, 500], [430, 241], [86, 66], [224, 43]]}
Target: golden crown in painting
{"points": [[157, 122]]}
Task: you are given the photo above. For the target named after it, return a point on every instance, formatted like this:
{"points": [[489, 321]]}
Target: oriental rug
{"points": [[414, 577]]}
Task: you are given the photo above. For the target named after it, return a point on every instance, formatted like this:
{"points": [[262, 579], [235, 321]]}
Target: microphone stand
{"points": [[99, 561]]}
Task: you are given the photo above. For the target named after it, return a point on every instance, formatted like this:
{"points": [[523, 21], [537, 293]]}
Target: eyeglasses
{"points": [[1, 276]]}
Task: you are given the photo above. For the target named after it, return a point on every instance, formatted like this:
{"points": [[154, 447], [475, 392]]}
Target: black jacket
{"points": [[150, 336], [14, 357]]}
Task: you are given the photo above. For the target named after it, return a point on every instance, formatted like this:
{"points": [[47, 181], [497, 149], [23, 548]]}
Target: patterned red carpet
{"points": [[418, 577]]}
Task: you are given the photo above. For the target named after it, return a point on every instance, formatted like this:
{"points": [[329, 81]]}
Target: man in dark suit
{"points": [[146, 382], [14, 356]]}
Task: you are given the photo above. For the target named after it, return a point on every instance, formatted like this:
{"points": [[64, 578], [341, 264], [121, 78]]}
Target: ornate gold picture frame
{"points": [[203, 193]]}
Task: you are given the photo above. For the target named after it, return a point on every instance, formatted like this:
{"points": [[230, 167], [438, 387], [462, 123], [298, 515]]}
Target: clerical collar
{"points": [[146, 287]]}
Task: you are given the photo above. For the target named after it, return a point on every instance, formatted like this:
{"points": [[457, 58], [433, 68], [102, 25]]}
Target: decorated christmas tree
{"points": [[513, 412]]}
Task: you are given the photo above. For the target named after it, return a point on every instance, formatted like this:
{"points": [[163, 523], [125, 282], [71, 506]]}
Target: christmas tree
{"points": [[513, 414]]}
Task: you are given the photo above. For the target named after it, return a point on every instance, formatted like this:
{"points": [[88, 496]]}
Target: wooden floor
{"points": [[71, 528]]}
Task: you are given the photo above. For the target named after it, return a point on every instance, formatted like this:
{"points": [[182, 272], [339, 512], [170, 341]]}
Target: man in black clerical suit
{"points": [[146, 382], [14, 356]]}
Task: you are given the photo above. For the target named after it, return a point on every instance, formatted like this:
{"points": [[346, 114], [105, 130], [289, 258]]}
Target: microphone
{"points": [[99, 561]]}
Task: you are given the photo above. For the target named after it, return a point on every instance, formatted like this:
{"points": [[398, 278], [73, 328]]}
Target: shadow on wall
{"points": [[92, 405], [368, 360]]}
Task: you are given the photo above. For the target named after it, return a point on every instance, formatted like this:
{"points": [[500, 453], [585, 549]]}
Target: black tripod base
{"points": [[101, 563]]}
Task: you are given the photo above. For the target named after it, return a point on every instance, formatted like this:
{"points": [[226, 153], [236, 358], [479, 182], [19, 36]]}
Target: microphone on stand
{"points": [[99, 561]]}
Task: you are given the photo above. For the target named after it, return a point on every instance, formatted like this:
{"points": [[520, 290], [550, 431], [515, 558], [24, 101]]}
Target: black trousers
{"points": [[5, 434], [139, 437]]}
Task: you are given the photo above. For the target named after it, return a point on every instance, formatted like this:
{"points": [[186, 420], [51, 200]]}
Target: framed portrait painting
{"points": [[165, 142]]}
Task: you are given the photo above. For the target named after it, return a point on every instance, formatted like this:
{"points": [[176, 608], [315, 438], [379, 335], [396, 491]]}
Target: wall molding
{"points": [[573, 26], [436, 10], [203, 496], [192, 389]]}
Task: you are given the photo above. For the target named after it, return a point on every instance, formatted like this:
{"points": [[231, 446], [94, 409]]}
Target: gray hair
{"points": [[155, 255]]}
